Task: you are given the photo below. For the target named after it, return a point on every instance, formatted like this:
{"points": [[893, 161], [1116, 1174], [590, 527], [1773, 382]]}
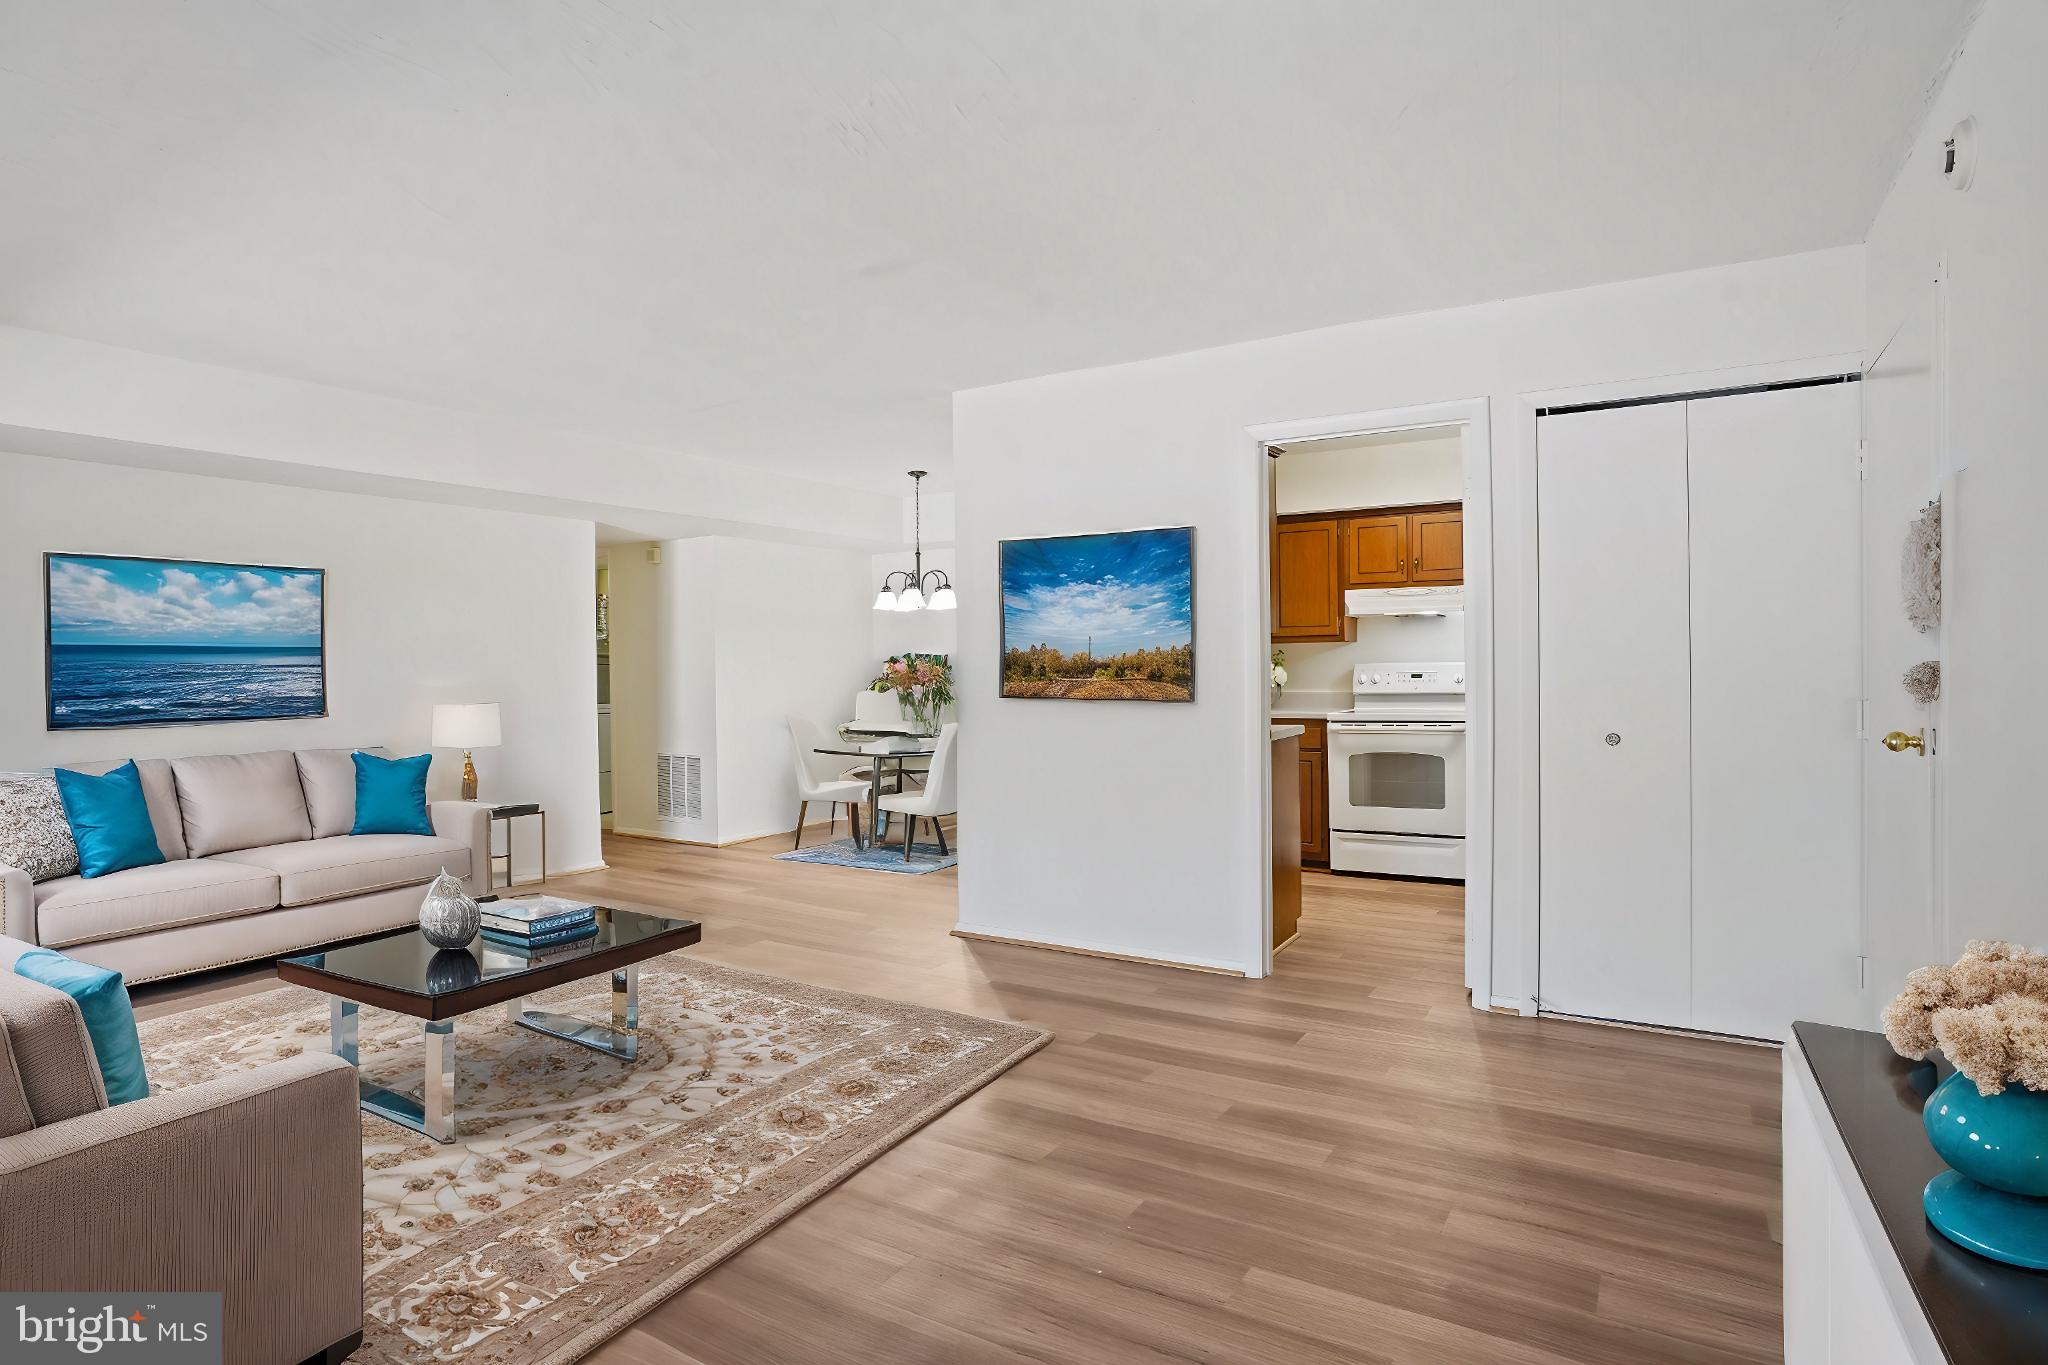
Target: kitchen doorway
{"points": [[1414, 551]]}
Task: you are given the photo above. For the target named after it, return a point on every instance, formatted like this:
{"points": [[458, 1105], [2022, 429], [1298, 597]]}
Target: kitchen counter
{"points": [[1309, 705], [1287, 817]]}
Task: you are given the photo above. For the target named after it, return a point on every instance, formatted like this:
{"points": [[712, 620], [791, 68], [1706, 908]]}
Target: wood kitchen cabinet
{"points": [[1397, 548], [1436, 546], [1377, 556], [1315, 795], [1308, 580], [1317, 557], [1287, 826]]}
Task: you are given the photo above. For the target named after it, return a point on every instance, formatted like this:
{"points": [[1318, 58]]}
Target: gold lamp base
{"points": [[468, 777]]}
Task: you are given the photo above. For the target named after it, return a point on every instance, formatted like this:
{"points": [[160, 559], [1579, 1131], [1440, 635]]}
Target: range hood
{"points": [[1403, 601]]}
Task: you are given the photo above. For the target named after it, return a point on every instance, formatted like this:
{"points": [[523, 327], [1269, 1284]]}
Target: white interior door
{"points": [[1900, 427], [1614, 934], [1776, 677]]}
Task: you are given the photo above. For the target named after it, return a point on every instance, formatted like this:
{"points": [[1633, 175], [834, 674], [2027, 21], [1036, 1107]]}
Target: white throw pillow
{"points": [[34, 835]]}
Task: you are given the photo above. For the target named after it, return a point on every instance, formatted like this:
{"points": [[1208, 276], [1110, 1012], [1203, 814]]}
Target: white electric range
{"points": [[1397, 772]]}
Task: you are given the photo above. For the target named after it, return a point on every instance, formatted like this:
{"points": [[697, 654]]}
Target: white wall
{"points": [[685, 685], [1151, 812], [919, 632], [1326, 668], [793, 638], [424, 604], [736, 635], [65, 396], [1371, 471], [1994, 633]]}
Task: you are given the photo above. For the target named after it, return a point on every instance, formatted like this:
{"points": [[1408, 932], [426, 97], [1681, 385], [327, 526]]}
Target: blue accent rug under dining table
{"points": [[888, 857]]}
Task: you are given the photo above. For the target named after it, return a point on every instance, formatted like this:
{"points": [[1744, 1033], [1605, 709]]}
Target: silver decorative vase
{"points": [[448, 916]]}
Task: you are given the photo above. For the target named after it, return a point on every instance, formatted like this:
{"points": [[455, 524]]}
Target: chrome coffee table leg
{"points": [[621, 1039], [341, 1030], [439, 1036], [434, 1113]]}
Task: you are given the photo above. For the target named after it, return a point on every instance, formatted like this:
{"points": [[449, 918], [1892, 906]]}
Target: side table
{"points": [[507, 813]]}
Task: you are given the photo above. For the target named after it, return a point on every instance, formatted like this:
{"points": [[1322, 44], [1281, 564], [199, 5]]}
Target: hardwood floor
{"points": [[1344, 1163]]}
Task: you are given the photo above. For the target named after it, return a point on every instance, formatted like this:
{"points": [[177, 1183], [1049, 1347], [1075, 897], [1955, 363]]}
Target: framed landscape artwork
{"points": [[1108, 617], [133, 642]]}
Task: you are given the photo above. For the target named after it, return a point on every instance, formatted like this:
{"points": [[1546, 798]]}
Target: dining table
{"points": [[876, 760]]}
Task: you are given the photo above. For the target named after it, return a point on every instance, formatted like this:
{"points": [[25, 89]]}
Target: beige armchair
{"points": [[251, 1185]]}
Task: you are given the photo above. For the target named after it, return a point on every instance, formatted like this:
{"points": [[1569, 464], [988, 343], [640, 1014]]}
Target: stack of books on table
{"points": [[537, 925]]}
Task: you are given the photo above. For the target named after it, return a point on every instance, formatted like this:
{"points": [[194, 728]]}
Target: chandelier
{"points": [[922, 587]]}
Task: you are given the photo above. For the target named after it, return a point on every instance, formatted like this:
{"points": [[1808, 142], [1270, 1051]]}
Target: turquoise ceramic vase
{"points": [[1995, 1201]]}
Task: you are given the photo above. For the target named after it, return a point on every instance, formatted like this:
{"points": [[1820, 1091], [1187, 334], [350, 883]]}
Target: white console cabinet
{"points": [[1867, 1281]]}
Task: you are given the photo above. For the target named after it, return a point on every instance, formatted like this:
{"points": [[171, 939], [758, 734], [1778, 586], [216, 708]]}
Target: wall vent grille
{"points": [[679, 786]]}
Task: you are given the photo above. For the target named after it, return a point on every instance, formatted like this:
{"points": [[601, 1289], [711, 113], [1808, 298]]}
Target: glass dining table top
{"points": [[850, 751]]}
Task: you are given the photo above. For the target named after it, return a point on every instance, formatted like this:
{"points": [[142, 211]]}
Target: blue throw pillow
{"points": [[109, 1019], [109, 820], [391, 795]]}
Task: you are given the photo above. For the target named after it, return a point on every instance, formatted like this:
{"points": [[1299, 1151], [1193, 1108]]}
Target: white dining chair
{"points": [[937, 798], [876, 708], [816, 779]]}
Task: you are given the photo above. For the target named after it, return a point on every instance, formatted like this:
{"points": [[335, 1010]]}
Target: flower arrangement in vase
{"points": [[923, 684], [1279, 673], [1988, 1013]]}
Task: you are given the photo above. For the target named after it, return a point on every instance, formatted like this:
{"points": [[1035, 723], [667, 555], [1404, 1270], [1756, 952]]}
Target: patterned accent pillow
{"points": [[34, 835]]}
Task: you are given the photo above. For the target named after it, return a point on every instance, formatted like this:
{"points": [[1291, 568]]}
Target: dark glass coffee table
{"points": [[402, 972]]}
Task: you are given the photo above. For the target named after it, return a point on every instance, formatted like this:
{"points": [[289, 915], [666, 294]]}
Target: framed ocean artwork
{"points": [[136, 642], [1104, 617]]}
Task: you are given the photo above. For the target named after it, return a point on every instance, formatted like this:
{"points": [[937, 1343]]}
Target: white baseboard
{"points": [[659, 837], [632, 833], [1086, 949]]}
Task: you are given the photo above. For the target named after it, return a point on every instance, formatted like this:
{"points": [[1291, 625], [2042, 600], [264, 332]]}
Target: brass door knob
{"points": [[1898, 741]]}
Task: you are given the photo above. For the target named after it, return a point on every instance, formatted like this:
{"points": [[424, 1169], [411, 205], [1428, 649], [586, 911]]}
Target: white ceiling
{"points": [[784, 232]]}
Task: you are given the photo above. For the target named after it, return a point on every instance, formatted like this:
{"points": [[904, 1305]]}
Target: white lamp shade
{"points": [[910, 599], [943, 600], [467, 725], [885, 600]]}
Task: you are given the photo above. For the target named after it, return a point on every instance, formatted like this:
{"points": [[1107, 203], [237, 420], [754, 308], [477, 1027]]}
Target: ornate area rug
{"points": [[582, 1190]]}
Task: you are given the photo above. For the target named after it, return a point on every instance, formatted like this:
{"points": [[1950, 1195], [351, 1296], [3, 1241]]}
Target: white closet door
{"points": [[1615, 935], [1777, 664]]}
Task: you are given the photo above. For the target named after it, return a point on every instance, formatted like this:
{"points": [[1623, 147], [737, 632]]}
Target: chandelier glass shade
{"points": [[916, 588]]}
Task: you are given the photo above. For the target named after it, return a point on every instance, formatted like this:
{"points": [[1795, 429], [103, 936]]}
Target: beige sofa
{"points": [[250, 1185], [258, 863]]}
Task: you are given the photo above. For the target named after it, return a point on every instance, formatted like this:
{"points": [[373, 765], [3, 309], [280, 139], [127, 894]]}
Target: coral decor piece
{"points": [[1989, 1121], [923, 684], [1988, 1013], [1920, 569], [1923, 681]]}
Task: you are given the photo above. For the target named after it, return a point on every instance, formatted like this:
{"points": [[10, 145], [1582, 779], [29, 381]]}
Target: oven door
{"points": [[1397, 779]]}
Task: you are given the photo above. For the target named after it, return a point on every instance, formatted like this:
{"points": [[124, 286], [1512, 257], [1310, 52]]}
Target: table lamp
{"points": [[466, 726]]}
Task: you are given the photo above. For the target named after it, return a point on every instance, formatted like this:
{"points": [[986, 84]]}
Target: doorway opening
{"points": [[1377, 611], [604, 690]]}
